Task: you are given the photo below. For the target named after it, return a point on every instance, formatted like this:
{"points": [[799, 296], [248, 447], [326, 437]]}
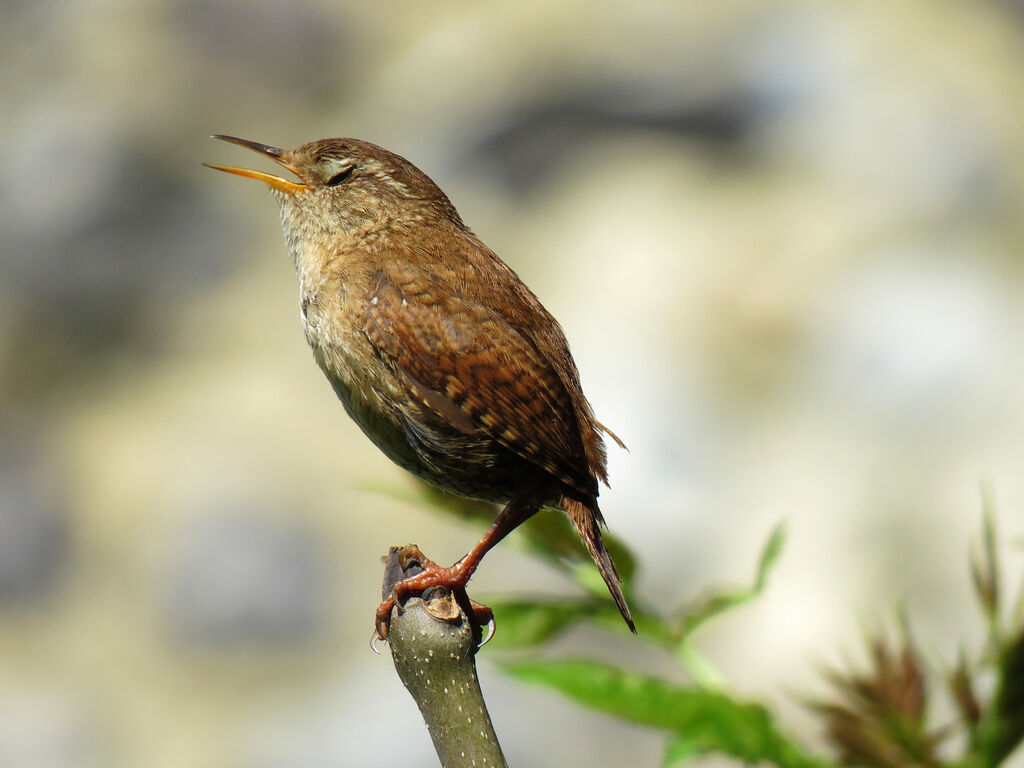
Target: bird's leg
{"points": [[516, 512]]}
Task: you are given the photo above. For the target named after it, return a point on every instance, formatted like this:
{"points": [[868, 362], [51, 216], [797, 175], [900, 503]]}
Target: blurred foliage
{"points": [[878, 717], [701, 721]]}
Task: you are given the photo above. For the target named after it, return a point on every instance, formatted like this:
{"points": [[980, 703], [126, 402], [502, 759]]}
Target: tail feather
{"points": [[586, 519]]}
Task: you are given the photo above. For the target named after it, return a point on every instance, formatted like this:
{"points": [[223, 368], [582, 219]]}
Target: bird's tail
{"points": [[586, 519]]}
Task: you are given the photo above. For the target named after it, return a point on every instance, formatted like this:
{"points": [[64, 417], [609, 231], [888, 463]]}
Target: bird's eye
{"points": [[340, 177]]}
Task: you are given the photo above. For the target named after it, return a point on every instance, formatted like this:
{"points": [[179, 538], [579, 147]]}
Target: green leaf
{"points": [[1002, 728], [523, 624], [769, 555], [709, 721], [680, 749], [985, 566], [700, 669], [726, 600]]}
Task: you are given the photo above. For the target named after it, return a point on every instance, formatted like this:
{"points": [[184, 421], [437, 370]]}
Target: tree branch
{"points": [[434, 645]]}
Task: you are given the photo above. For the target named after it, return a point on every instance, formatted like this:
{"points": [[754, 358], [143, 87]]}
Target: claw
{"points": [[490, 632], [376, 637], [382, 620], [430, 575]]}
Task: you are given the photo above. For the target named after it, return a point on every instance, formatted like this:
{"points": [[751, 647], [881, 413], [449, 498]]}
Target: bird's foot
{"points": [[431, 575]]}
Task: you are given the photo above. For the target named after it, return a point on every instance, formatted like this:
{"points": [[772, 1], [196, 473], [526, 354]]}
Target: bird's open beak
{"points": [[276, 182]]}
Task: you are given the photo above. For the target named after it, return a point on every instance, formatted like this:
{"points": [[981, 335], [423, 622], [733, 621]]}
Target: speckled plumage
{"points": [[436, 348]]}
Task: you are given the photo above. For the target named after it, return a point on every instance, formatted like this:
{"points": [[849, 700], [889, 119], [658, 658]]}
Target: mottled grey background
{"points": [[785, 240]]}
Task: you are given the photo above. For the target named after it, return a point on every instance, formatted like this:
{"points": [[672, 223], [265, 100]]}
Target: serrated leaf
{"points": [[711, 722], [726, 600]]}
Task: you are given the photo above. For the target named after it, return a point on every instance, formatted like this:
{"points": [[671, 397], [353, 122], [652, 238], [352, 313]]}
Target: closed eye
{"points": [[340, 177]]}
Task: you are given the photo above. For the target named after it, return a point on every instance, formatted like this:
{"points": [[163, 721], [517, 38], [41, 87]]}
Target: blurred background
{"points": [[784, 239]]}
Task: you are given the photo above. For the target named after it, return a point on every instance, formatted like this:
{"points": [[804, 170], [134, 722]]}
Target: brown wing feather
{"points": [[523, 310], [475, 371]]}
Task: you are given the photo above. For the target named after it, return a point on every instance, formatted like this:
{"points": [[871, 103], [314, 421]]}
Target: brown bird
{"points": [[436, 348]]}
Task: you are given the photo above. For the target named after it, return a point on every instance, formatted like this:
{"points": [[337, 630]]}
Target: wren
{"points": [[436, 348]]}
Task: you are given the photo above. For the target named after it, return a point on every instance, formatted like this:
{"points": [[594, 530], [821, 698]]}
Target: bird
{"points": [[437, 349]]}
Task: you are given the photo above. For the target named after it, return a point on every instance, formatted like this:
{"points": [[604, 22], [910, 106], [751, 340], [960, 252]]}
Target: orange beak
{"points": [[275, 182]]}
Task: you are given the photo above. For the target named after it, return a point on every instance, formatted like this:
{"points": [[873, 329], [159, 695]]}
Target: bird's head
{"points": [[348, 189]]}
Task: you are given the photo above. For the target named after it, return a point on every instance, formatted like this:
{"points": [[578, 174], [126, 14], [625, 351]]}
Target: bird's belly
{"points": [[415, 438]]}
